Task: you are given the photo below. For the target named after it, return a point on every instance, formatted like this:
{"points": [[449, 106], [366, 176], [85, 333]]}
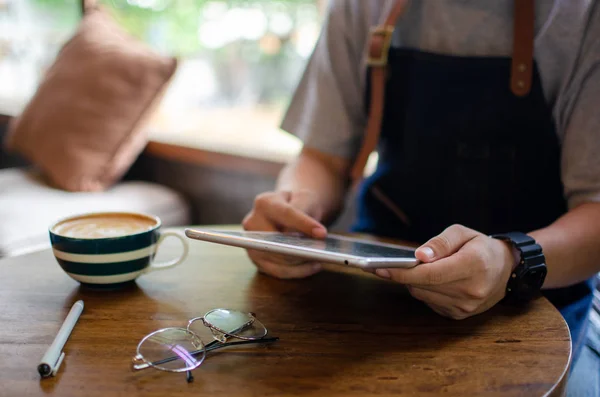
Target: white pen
{"points": [[55, 355]]}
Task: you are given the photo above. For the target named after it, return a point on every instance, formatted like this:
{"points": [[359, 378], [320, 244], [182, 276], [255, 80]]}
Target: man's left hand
{"points": [[463, 272]]}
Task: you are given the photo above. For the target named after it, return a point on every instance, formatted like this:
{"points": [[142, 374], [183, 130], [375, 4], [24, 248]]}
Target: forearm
{"points": [[571, 246], [322, 174]]}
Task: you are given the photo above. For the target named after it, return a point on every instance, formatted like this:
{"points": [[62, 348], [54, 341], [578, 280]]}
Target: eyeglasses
{"points": [[177, 349]]}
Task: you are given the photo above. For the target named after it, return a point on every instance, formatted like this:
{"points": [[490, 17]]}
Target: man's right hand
{"points": [[285, 211]]}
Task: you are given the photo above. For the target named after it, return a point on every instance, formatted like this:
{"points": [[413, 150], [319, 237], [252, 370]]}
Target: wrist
{"points": [[512, 256], [515, 256]]}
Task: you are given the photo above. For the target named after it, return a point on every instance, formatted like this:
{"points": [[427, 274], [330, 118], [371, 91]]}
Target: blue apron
{"points": [[457, 146]]}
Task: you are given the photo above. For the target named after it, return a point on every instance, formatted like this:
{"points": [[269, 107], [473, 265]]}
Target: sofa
{"points": [[82, 132], [28, 204]]}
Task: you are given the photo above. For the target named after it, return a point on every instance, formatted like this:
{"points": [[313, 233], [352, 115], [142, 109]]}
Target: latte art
{"points": [[103, 226]]}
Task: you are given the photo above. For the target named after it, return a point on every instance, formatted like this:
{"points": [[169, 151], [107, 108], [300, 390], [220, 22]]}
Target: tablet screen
{"points": [[336, 244]]}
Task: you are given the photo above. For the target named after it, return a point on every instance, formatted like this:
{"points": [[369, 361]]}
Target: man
{"points": [[490, 125]]}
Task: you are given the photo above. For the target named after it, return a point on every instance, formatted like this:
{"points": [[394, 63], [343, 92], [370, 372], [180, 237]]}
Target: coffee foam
{"points": [[104, 226]]}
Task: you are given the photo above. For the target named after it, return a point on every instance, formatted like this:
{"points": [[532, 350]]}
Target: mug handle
{"points": [[173, 262]]}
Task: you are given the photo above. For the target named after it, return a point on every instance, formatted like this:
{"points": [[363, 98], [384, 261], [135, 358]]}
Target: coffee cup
{"points": [[110, 248]]}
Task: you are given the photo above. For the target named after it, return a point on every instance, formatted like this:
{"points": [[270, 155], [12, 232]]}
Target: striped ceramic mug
{"points": [[110, 248]]}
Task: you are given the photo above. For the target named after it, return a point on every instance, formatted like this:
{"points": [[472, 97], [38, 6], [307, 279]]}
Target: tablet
{"points": [[332, 249]]}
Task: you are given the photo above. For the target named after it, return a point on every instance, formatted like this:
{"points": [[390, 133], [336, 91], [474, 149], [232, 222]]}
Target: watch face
{"points": [[527, 279], [532, 279]]}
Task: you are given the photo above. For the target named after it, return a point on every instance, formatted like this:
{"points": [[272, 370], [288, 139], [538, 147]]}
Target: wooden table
{"points": [[343, 333]]}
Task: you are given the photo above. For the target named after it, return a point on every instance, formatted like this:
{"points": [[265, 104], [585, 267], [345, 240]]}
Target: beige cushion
{"points": [[28, 206], [84, 126]]}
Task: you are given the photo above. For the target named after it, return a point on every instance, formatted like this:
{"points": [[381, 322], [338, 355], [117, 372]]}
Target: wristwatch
{"points": [[527, 278]]}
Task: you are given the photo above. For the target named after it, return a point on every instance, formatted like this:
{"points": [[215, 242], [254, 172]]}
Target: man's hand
{"points": [[463, 272], [285, 211]]}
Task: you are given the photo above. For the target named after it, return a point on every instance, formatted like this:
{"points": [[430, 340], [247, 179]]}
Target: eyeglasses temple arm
{"points": [[209, 347]]}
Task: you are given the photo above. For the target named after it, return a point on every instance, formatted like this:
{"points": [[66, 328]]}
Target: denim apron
{"points": [[457, 145]]}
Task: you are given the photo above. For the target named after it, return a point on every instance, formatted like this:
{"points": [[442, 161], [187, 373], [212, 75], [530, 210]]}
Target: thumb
{"points": [[307, 202], [445, 244]]}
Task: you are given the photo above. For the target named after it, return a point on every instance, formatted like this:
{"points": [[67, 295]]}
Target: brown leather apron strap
{"points": [[523, 37], [380, 39]]}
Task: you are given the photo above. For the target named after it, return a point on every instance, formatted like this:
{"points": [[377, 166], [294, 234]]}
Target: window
{"points": [[239, 61], [31, 32]]}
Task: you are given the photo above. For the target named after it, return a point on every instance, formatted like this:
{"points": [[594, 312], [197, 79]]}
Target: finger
{"points": [[289, 272], [440, 310], [278, 259], [457, 308], [469, 289], [286, 195], [431, 297], [440, 303], [258, 223], [447, 270], [307, 203], [453, 290], [282, 213], [255, 222], [436, 308], [446, 243]]}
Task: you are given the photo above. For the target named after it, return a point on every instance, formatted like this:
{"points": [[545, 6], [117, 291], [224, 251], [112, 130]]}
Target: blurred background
{"points": [[215, 139], [239, 63]]}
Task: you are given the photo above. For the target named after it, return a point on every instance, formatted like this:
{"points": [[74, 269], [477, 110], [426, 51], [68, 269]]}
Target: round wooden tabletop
{"points": [[342, 332]]}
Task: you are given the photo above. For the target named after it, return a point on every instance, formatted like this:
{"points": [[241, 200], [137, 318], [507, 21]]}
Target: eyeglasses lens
{"points": [[230, 322], [172, 349]]}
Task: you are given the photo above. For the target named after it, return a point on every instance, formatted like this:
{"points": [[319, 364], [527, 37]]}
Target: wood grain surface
{"points": [[342, 333]]}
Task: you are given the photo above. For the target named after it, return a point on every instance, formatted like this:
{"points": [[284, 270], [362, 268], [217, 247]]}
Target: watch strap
{"points": [[531, 252], [528, 276], [517, 238]]}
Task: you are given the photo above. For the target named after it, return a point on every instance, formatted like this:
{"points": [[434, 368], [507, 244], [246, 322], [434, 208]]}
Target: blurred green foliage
{"points": [[178, 20], [261, 69]]}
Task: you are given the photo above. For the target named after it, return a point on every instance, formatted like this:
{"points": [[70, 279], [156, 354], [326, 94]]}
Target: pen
{"points": [[54, 355]]}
